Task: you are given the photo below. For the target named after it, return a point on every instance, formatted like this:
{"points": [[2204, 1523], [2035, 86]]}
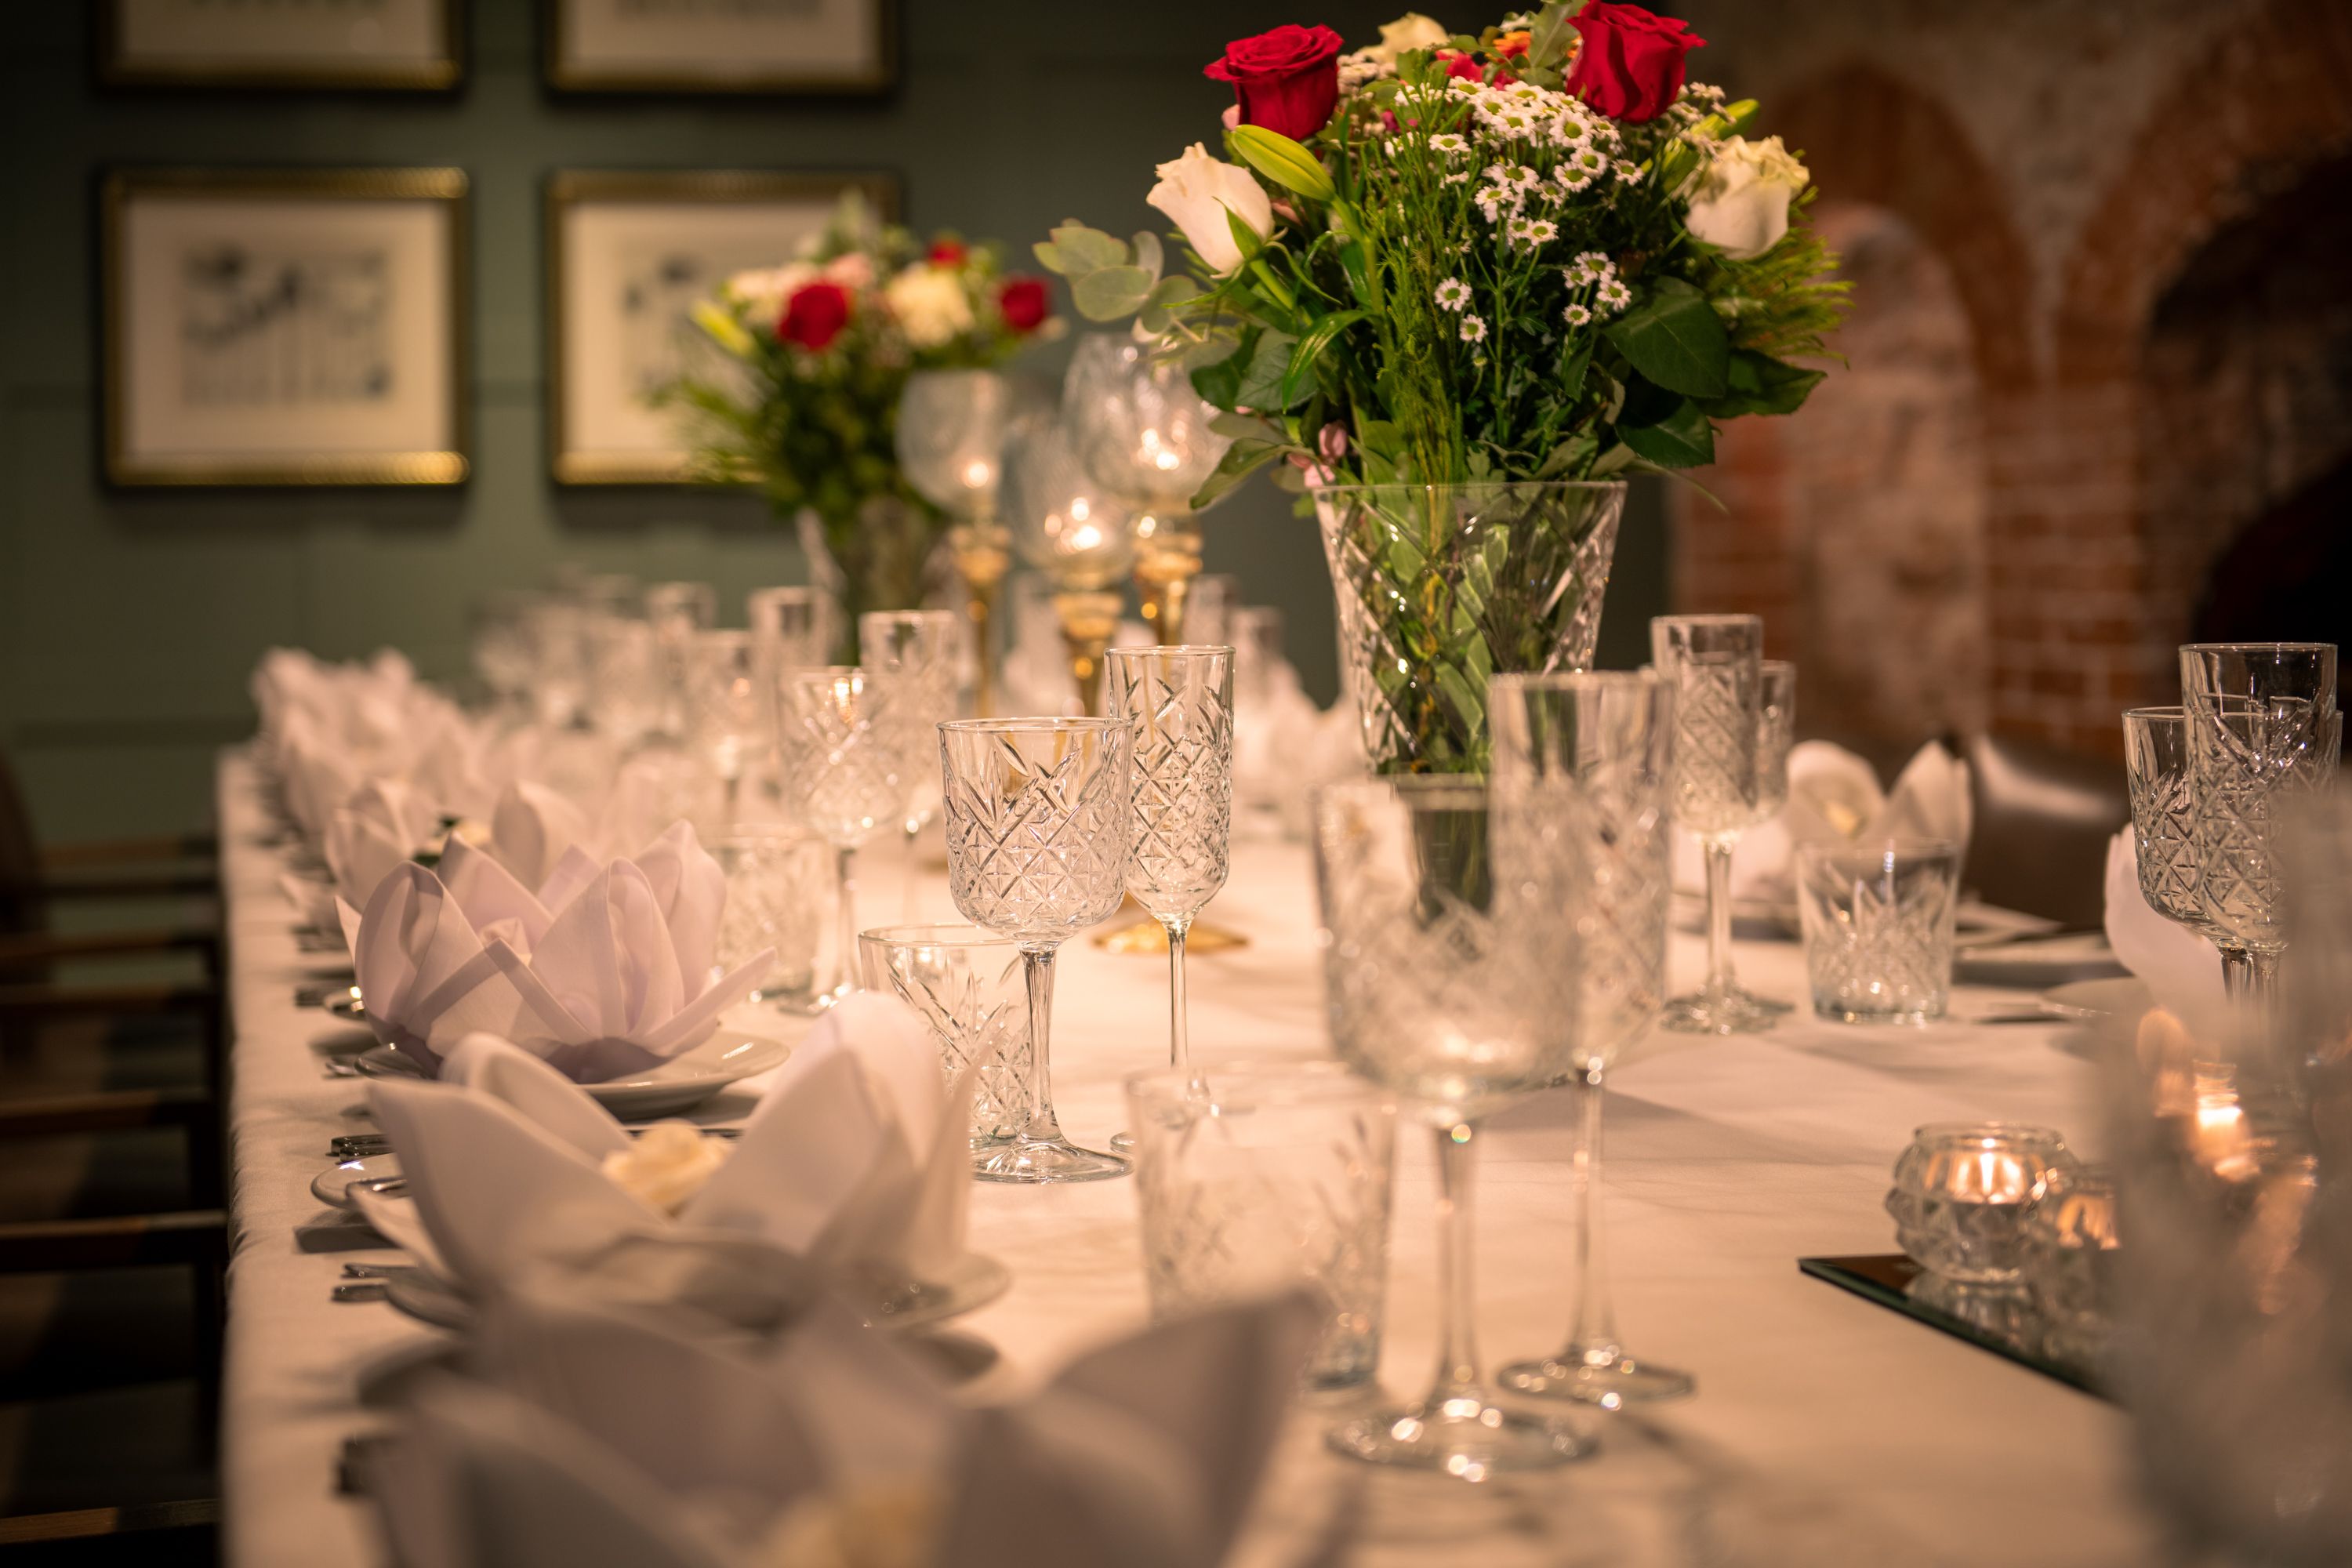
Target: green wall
{"points": [[129, 621]]}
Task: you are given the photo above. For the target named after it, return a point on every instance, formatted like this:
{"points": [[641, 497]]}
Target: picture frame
{"points": [[285, 327], [412, 46], [629, 252], [809, 48]]}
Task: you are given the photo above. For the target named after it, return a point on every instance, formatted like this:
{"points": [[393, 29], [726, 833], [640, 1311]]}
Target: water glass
{"points": [[917, 650], [1590, 753], [1715, 665], [1256, 1178], [794, 624], [1878, 928], [776, 891], [1037, 832], [842, 758], [1450, 977], [729, 712], [968, 985], [628, 679]]}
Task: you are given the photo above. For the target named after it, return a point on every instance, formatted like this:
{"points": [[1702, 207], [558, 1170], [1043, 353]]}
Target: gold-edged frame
{"points": [[444, 466], [567, 188], [441, 75], [881, 79]]}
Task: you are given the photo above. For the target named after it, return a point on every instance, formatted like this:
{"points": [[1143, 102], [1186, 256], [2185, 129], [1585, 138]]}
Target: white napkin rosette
{"points": [[2181, 967], [596, 1436], [857, 1160], [603, 970]]}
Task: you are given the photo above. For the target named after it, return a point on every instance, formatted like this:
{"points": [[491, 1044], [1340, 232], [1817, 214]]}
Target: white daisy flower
{"points": [[1576, 315], [1473, 329], [1492, 201], [1451, 144], [1614, 295], [1590, 161], [1453, 294], [1538, 231], [1628, 172], [1458, 177], [1591, 266], [1568, 131], [1570, 178]]}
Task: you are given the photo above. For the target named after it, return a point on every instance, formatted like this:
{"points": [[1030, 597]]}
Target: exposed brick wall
{"points": [[2069, 161]]}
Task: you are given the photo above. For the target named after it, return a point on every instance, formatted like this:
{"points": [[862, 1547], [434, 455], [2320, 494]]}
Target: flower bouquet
{"points": [[816, 357], [1466, 285]]}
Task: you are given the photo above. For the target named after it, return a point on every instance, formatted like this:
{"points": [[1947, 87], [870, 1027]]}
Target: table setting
{"points": [[641, 1192]]}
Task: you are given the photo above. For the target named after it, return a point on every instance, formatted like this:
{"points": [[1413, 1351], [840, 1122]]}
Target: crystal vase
{"points": [[1441, 587], [889, 555]]}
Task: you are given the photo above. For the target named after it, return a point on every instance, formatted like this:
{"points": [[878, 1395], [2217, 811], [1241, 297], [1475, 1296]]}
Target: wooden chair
{"points": [[2043, 818]]}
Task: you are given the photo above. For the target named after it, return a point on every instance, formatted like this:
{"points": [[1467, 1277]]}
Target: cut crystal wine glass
{"points": [[950, 444], [916, 650], [1451, 976], [2164, 831], [1037, 830], [1596, 748], [1776, 733], [2263, 729], [842, 758], [1178, 704], [1715, 663]]}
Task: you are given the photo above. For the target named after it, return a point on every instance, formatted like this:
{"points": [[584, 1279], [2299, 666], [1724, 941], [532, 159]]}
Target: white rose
{"points": [[1196, 191], [853, 269], [1411, 31], [931, 305], [666, 1164], [1742, 201]]}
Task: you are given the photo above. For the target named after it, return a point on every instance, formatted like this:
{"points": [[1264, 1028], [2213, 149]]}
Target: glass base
{"points": [[1122, 1142], [1771, 1004], [1700, 1014], [1039, 1159], [1610, 1384], [1465, 1435]]}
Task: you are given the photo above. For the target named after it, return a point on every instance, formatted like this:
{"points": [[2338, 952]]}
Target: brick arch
{"points": [[1868, 136], [2261, 104]]}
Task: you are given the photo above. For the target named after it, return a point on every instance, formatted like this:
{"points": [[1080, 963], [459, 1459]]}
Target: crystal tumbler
{"points": [[968, 984], [1878, 928]]}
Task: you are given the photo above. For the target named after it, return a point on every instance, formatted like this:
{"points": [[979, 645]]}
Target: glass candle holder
{"points": [[1962, 1192], [1256, 1178], [2071, 1253]]}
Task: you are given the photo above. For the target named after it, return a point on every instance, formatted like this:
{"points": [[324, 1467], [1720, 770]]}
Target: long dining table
{"points": [[1826, 1429]]}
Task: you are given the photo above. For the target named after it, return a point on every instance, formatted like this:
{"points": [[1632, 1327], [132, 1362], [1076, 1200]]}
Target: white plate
{"points": [[2122, 998], [679, 1084], [331, 1186], [973, 1282]]}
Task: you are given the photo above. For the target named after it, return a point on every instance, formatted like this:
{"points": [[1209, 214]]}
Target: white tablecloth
{"points": [[1826, 1429]]}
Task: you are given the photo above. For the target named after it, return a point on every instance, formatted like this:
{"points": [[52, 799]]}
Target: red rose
{"points": [[815, 315], [1024, 303], [1287, 81], [1459, 64], [1629, 62], [947, 253]]}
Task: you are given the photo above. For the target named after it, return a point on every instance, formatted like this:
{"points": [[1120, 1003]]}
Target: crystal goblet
{"points": [[842, 758], [2164, 831], [794, 625], [915, 649], [1450, 977], [1598, 745], [951, 443], [1036, 831], [729, 712], [1715, 663], [1075, 532]]}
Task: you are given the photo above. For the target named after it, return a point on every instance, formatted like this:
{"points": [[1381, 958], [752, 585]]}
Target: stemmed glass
{"points": [[730, 711], [1037, 830], [916, 649], [1178, 704], [1145, 435], [951, 439], [1071, 528], [1715, 665], [1450, 977], [2262, 727], [793, 624], [842, 758], [1776, 733], [1595, 748], [2164, 832]]}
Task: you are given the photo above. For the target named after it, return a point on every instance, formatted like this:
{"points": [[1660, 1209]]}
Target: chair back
{"points": [[22, 909], [2044, 819]]}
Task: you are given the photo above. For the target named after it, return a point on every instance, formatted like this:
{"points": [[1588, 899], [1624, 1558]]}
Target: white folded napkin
{"points": [[534, 825], [603, 969], [858, 1161], [2179, 965], [1834, 794], [601, 1437], [382, 826]]}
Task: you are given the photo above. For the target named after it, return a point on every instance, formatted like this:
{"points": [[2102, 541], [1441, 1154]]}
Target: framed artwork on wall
{"points": [[285, 327], [416, 44], [629, 253], [721, 46]]}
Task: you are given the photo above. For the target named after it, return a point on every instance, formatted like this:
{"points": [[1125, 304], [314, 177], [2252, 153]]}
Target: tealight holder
{"points": [[2070, 1254], [1962, 1193]]}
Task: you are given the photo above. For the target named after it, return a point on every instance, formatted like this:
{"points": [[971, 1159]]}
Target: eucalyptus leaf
{"points": [[1111, 293], [1088, 248], [1677, 340], [1147, 251]]}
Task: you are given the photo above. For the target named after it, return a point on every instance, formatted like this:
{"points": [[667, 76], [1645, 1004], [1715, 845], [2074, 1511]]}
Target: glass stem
{"points": [[1180, 1035], [2261, 987], [2237, 974], [732, 805], [1721, 980], [1592, 1341], [845, 936], [914, 900], [1038, 1125], [1457, 1356]]}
